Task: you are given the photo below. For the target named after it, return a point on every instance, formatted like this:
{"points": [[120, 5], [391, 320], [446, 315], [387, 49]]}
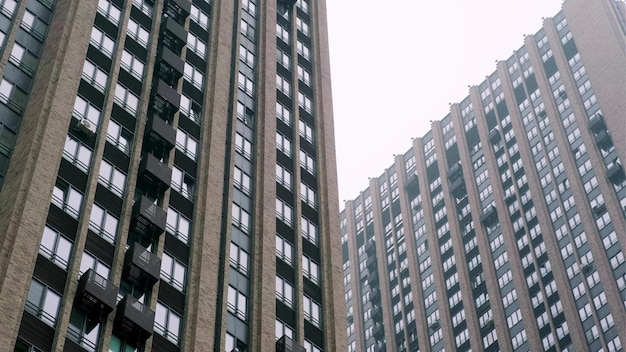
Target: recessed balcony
{"points": [[134, 321], [494, 136], [457, 188], [285, 344], [154, 175], [170, 67], [173, 35], [615, 173], [165, 100], [455, 171], [141, 266], [177, 9], [596, 123], [603, 140], [95, 295], [148, 218], [160, 136], [489, 217]]}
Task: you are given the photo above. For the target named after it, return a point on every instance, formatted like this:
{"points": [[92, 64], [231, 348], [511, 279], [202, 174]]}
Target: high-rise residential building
{"points": [[503, 228], [168, 177]]}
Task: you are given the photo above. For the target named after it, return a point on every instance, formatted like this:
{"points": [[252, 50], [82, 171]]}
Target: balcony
{"points": [[615, 173], [285, 344], [96, 296], [378, 331], [489, 217], [173, 35], [165, 100], [596, 123], [141, 266], [177, 9], [373, 277], [494, 136], [370, 247], [457, 188], [160, 136], [170, 67], [603, 140], [133, 321], [374, 294], [154, 176], [371, 263], [412, 185], [148, 218], [455, 171]]}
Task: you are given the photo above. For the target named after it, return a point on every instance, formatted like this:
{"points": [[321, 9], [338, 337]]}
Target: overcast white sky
{"points": [[397, 64]]}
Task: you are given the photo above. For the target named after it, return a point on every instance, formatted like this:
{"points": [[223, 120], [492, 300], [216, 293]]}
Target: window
{"points": [[304, 75], [21, 346], [103, 223], [94, 75], [311, 269], [178, 225], [34, 25], [284, 249], [283, 85], [112, 178], [126, 99], [89, 261], [237, 303], [186, 144], [167, 323], [243, 146], [8, 7], [12, 96], [193, 75], [132, 64], [138, 33], [246, 56], [7, 136], [283, 176], [42, 302], [23, 59], [199, 17], [173, 272], [306, 131], [284, 211], [282, 329], [241, 218], [83, 109], [144, 6], [108, 10], [283, 59], [182, 182], [309, 230], [196, 45], [282, 33], [307, 162], [284, 291], [77, 153], [67, 198], [283, 114], [302, 26], [190, 108], [242, 181], [55, 247], [283, 144], [239, 258], [82, 331], [246, 84], [312, 311], [303, 50], [307, 194], [118, 136], [102, 42], [305, 102]]}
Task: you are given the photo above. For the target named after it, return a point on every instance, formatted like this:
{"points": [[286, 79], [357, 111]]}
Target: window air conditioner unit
{"points": [[86, 127]]}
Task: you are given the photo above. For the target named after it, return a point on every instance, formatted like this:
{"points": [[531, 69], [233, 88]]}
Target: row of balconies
{"points": [[615, 171]]}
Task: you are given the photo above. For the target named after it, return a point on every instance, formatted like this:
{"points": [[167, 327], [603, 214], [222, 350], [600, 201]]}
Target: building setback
{"points": [[167, 183], [503, 228]]}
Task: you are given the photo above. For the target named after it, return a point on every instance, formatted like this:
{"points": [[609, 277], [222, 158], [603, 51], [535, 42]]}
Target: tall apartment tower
{"points": [[168, 177], [503, 228]]}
